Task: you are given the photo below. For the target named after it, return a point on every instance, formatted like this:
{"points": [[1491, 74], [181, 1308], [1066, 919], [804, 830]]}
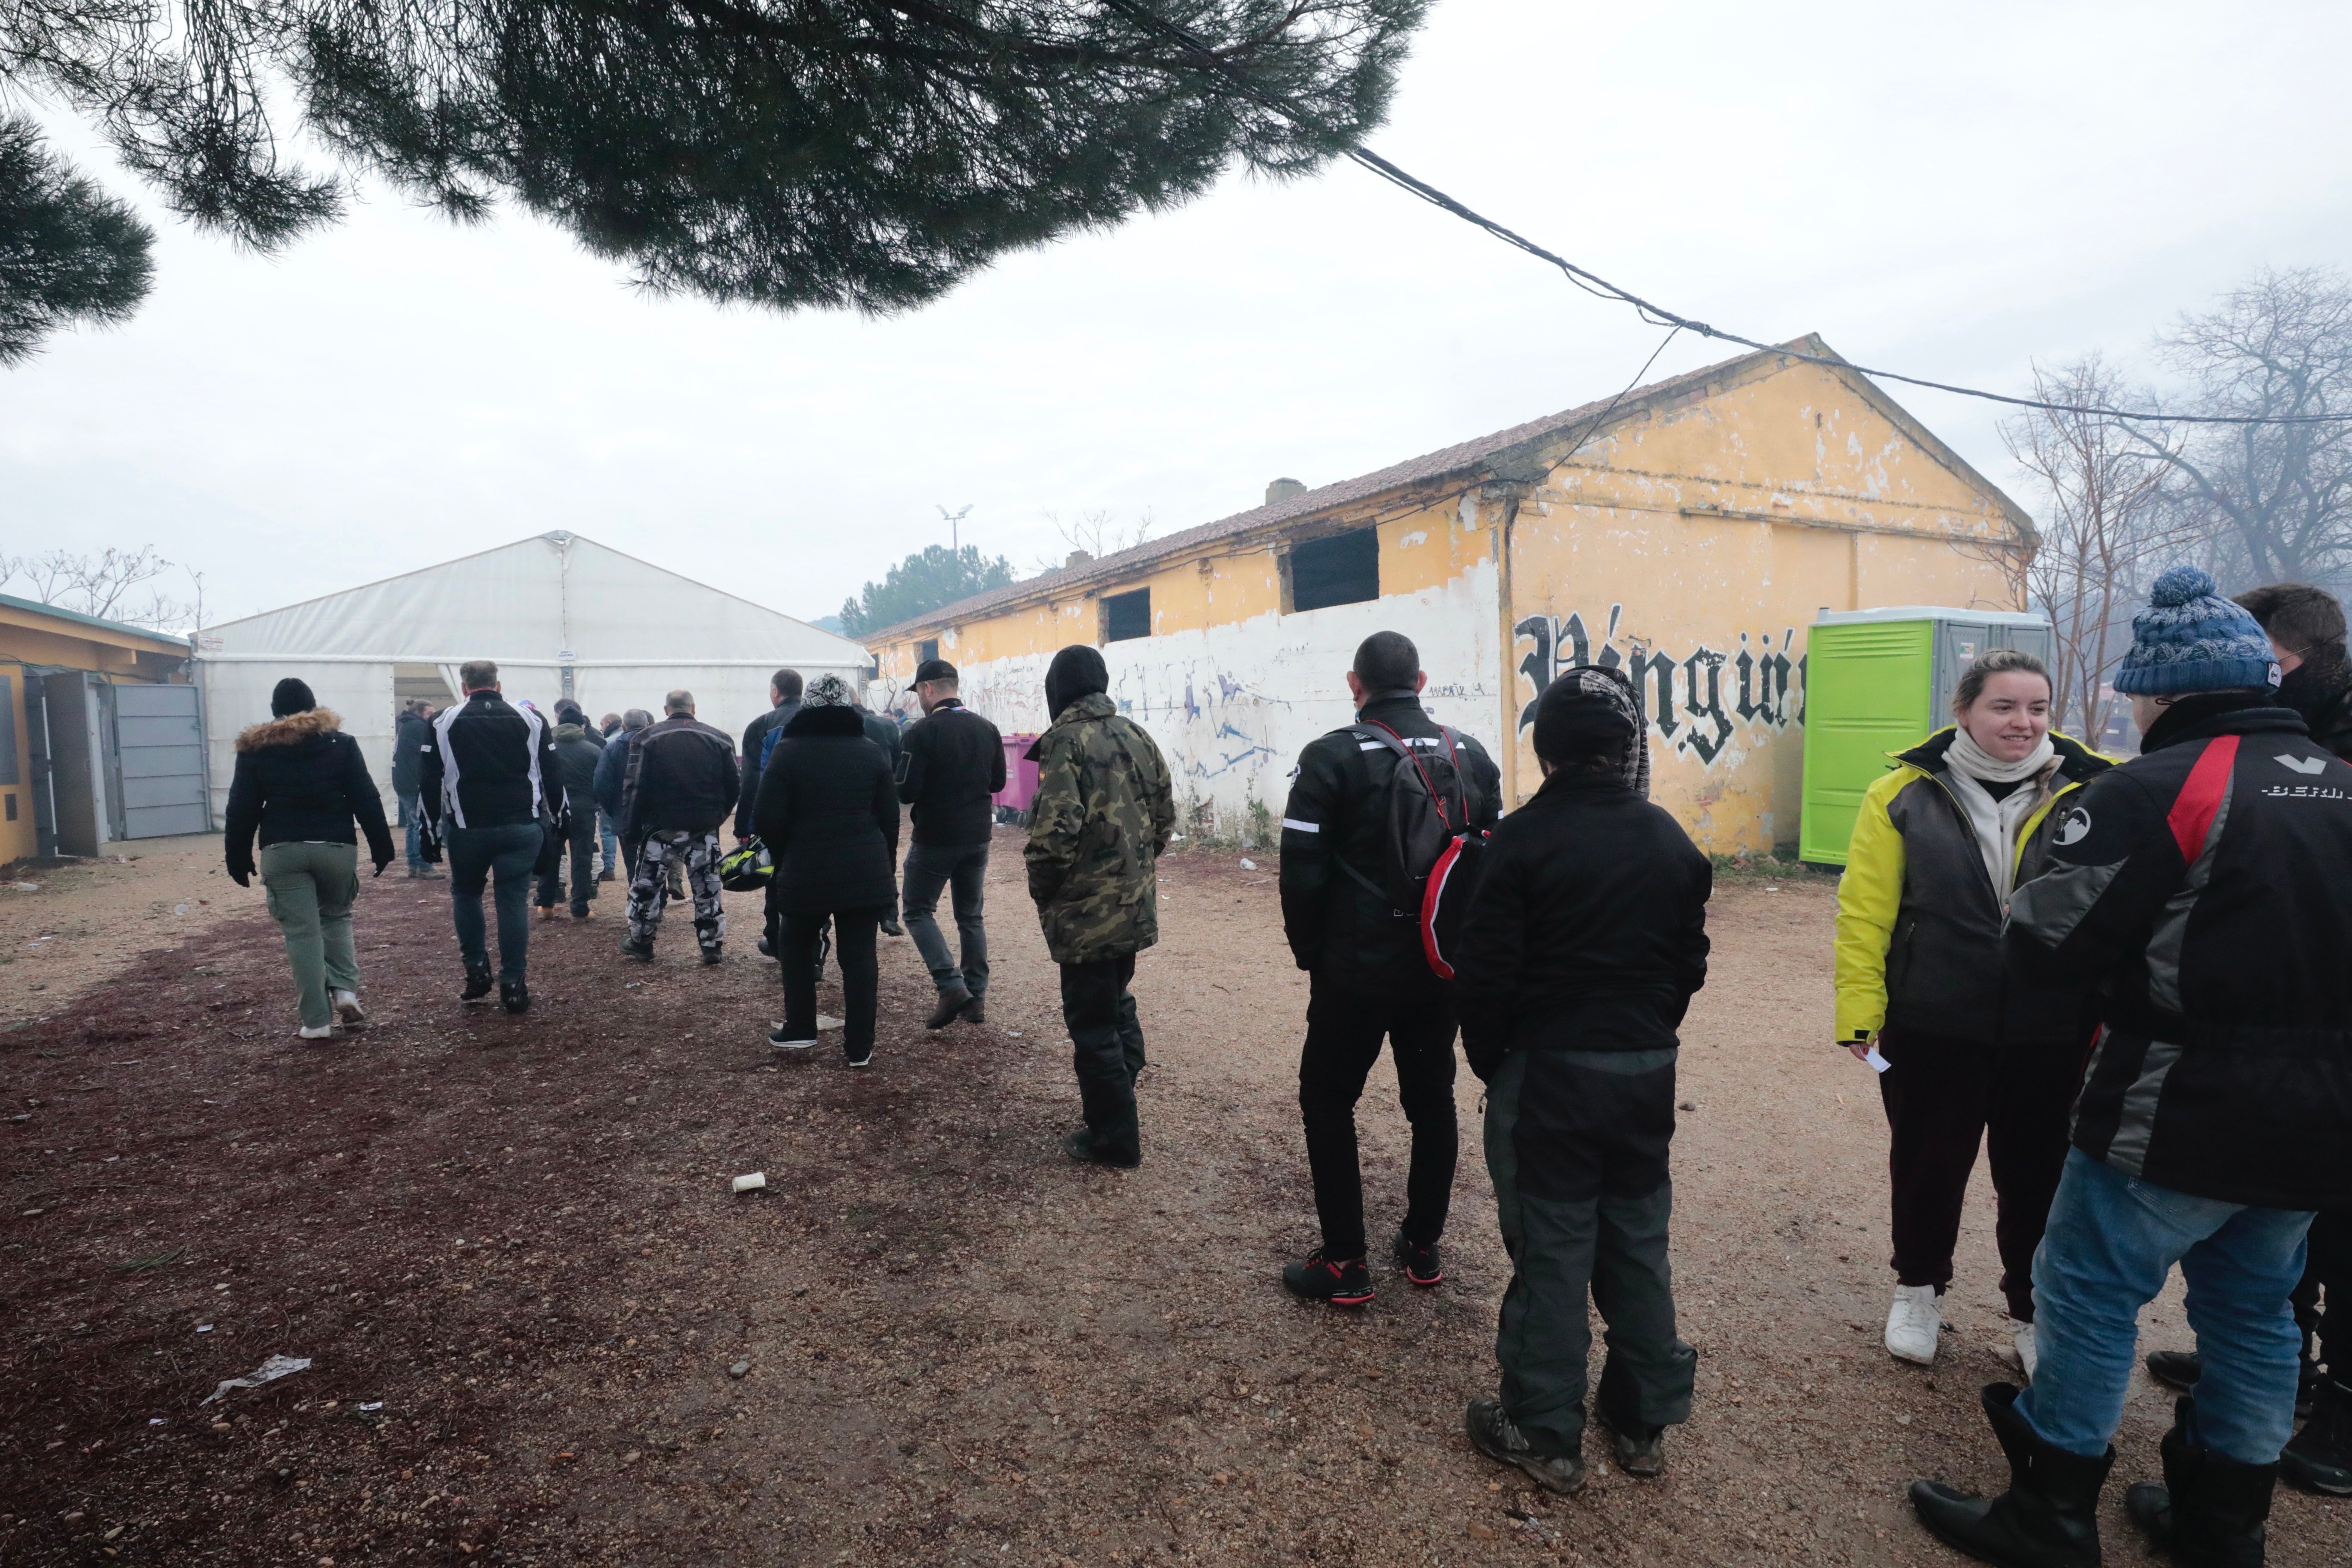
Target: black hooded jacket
{"points": [[300, 779], [828, 813], [678, 777], [2203, 886]]}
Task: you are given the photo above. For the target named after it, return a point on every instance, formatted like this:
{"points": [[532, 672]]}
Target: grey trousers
{"points": [[1573, 1238]]}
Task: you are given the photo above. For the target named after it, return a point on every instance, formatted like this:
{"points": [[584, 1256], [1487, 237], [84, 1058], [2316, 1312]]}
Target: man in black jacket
{"points": [[1370, 980], [576, 757], [1580, 953], [678, 780], [950, 763], [883, 731], [2202, 884], [784, 692], [492, 771], [412, 737]]}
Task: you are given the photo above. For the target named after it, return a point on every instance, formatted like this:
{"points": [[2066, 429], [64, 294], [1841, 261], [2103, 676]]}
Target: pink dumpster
{"points": [[1019, 779]]}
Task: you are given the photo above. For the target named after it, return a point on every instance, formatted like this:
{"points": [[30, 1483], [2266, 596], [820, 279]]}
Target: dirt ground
{"points": [[542, 1331]]}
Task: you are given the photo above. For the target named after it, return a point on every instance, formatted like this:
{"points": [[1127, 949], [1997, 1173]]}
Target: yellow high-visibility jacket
{"points": [[1918, 923]]}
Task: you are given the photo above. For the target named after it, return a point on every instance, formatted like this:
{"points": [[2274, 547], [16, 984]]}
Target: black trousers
{"points": [[861, 976], [1943, 1098], [1106, 1049], [582, 847], [1344, 1031], [2329, 1271]]}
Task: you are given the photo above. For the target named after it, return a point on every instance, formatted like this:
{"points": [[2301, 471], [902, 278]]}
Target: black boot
{"points": [[2177, 1369], [2048, 1518], [479, 981], [2209, 1512], [2319, 1457]]}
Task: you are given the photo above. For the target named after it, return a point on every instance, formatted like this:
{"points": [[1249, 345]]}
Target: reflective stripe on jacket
{"points": [[1919, 925]]}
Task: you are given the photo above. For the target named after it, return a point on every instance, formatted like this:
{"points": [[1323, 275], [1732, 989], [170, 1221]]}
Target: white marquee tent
{"points": [[563, 615]]}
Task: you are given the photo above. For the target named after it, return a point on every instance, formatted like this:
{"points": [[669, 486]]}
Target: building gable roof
{"points": [[1461, 460], [117, 631]]}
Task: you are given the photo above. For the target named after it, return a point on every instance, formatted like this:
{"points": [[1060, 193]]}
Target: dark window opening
{"points": [[1342, 569], [1127, 616], [929, 649]]}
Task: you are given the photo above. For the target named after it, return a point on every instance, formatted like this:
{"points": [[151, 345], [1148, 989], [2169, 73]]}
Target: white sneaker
{"points": [[316, 1031], [1913, 1324], [348, 1008], [2029, 1355], [776, 1038]]}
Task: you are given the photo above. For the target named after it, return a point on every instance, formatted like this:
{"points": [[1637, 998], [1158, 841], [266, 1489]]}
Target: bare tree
{"points": [[2107, 527], [106, 585], [1092, 535], [2278, 496]]}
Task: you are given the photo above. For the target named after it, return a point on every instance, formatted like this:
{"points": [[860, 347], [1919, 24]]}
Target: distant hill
{"points": [[829, 624]]}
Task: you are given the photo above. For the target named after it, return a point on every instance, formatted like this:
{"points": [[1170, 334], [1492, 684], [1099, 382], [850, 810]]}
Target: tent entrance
{"points": [[420, 681]]}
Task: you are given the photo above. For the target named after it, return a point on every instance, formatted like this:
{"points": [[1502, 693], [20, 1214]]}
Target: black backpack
{"points": [[1431, 854]]}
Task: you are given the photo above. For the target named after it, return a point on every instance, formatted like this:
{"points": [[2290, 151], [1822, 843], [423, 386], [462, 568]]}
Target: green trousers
{"points": [[1584, 1212], [311, 888]]}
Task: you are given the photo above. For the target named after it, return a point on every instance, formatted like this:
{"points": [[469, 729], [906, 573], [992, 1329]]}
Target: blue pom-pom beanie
{"points": [[2190, 638]]}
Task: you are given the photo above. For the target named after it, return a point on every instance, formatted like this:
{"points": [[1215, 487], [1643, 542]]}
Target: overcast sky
{"points": [[1952, 191]]}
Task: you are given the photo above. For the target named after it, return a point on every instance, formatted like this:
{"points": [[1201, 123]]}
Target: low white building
{"points": [[563, 615]]}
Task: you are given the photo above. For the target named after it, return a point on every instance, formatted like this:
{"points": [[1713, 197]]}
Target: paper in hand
{"points": [[1877, 1063]]}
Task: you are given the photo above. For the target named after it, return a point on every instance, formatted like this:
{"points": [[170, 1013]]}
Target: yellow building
{"points": [[100, 737], [1688, 533]]}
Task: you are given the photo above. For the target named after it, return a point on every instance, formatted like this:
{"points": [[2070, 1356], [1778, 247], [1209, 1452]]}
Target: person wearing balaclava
{"points": [[2198, 888], [299, 785], [1977, 1058], [1580, 952], [1097, 827]]}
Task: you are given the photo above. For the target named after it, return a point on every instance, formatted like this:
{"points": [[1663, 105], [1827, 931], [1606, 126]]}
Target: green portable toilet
{"points": [[1878, 682]]}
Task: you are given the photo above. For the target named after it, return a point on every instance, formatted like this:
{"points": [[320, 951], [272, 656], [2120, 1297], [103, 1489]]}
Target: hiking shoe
{"points": [[1493, 1434], [973, 1012], [583, 913], [1320, 1280], [953, 1001], [347, 1006], [784, 1039], [715, 953], [605, 875], [859, 1055], [643, 952], [478, 981], [514, 995], [2319, 1457], [1644, 1457], [547, 911], [2177, 1369], [1913, 1324], [316, 1031], [766, 948], [893, 926], [1082, 1145], [1419, 1263]]}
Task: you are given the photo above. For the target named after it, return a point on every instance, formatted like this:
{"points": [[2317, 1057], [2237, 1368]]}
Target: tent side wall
{"points": [[236, 696]]}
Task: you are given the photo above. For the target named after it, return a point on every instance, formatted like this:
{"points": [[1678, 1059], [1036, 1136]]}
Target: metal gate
{"points": [[158, 765]]}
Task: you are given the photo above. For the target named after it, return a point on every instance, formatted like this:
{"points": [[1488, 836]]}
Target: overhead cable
{"points": [[1654, 315]]}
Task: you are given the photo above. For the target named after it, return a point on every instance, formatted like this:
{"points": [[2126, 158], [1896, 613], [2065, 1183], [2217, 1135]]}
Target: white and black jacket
{"points": [[2206, 885], [490, 765]]}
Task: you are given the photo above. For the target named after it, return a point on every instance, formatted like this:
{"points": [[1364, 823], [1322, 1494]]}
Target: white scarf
{"points": [[1997, 821]]}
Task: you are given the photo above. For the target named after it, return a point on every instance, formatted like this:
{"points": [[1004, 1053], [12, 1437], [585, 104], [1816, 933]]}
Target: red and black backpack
{"points": [[1431, 854]]}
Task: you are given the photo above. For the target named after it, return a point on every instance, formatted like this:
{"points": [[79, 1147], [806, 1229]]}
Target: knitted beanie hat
{"points": [[2190, 638], [292, 696], [828, 692]]}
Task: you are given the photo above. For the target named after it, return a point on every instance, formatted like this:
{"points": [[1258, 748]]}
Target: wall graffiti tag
{"points": [[1681, 697]]}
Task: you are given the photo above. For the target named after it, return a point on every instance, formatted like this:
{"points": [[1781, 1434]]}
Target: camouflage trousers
{"points": [[649, 893]]}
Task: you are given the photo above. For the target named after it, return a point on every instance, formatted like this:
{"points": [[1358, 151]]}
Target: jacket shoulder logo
{"points": [[2075, 827], [2301, 765]]}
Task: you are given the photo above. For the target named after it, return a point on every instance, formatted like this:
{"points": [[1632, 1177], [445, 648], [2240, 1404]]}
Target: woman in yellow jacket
{"points": [[1961, 819]]}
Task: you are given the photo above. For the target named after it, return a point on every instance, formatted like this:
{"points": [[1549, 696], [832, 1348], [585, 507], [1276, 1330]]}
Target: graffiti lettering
{"points": [[1679, 696]]}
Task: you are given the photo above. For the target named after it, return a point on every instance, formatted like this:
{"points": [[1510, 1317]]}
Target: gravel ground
{"points": [[541, 1330]]}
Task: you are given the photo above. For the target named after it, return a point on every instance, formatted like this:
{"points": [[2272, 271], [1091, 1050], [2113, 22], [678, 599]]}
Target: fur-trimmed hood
{"points": [[291, 730]]}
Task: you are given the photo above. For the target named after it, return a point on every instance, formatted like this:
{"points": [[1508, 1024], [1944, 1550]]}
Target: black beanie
{"points": [[1077, 671], [1586, 712], [290, 696]]}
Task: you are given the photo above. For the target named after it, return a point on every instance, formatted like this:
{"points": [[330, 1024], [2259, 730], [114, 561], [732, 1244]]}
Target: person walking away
{"points": [[951, 765], [883, 731], [1974, 1056], [299, 785], [412, 733], [677, 781], [491, 775], [1580, 952], [828, 811], [1367, 978], [784, 690], [1099, 824], [611, 764], [2201, 885], [576, 761], [604, 730]]}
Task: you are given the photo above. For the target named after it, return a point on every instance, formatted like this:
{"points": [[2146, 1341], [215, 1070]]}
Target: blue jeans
{"points": [[2111, 1240], [963, 869], [505, 855], [611, 846], [412, 818]]}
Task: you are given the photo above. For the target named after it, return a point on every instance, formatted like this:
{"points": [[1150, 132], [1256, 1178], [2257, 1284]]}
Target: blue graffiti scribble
{"points": [[1227, 763], [1230, 688], [1191, 708]]}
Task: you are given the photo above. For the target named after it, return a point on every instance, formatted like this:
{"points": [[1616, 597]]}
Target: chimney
{"points": [[1077, 558], [1283, 489]]}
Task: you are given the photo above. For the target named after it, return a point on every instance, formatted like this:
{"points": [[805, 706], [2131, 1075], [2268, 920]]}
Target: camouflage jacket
{"points": [[1102, 816]]}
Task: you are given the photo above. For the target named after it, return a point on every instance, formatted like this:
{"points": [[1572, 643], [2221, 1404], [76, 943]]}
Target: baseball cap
{"points": [[933, 669]]}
